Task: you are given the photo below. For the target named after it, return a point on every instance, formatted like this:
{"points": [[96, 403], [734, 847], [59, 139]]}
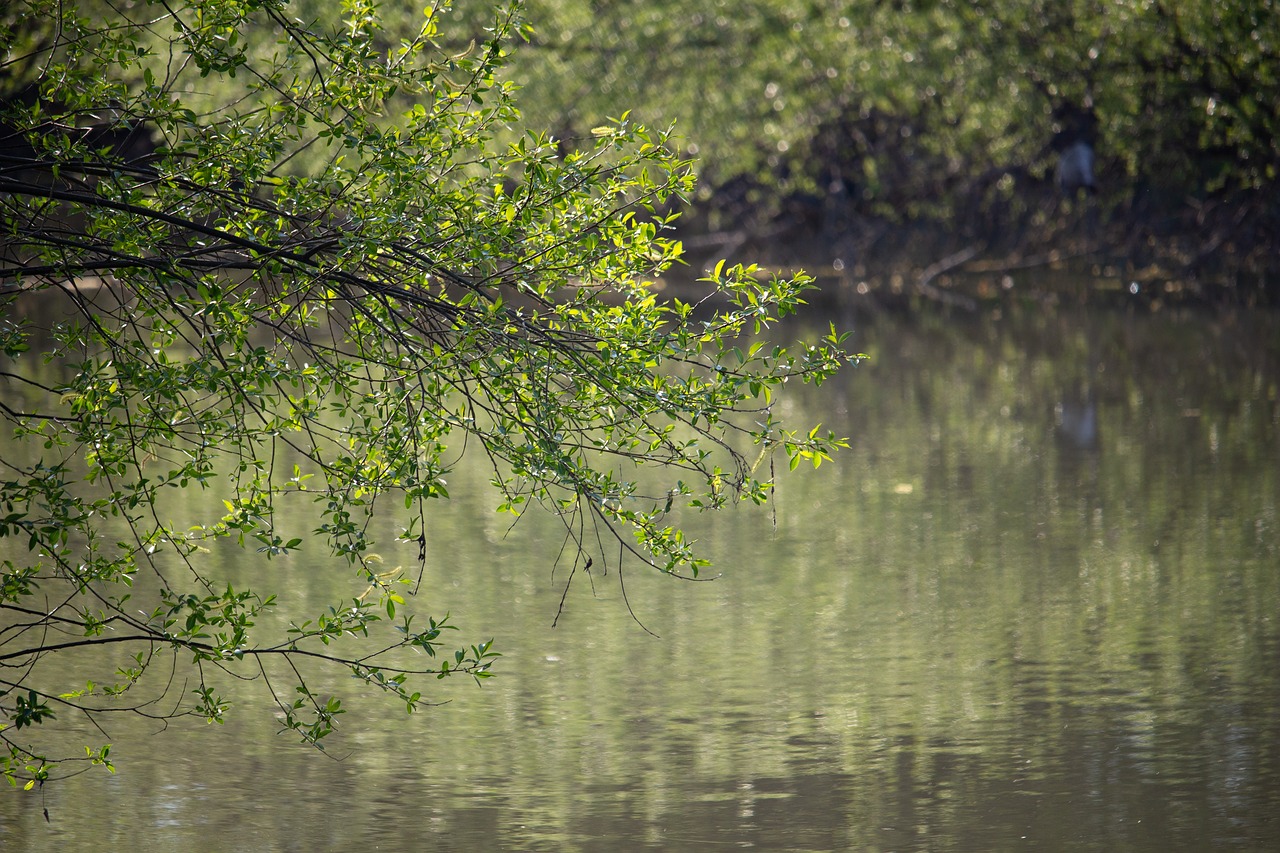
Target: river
{"points": [[1035, 606]]}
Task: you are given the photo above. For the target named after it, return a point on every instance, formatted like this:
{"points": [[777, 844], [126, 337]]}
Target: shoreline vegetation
{"points": [[906, 146], [873, 141]]}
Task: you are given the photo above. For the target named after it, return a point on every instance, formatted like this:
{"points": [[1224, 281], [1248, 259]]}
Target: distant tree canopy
{"points": [[296, 254], [911, 105]]}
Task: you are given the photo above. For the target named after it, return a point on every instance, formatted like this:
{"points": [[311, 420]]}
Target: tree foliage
{"points": [[911, 103], [293, 255]]}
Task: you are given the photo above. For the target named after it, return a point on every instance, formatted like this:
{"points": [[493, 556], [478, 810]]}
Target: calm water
{"points": [[1036, 606]]}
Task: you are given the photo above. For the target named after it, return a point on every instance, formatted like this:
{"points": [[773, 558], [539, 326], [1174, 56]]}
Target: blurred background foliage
{"points": [[1185, 93], [846, 118], [824, 126]]}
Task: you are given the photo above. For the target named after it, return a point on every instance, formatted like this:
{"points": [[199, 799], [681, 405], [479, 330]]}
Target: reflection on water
{"points": [[1034, 606]]}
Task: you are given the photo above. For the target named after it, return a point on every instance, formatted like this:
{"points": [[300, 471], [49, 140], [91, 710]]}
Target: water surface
{"points": [[1034, 607]]}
